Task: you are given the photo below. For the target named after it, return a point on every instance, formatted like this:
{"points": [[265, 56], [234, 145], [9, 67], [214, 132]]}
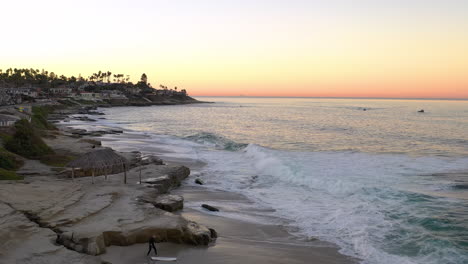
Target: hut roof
{"points": [[97, 159]]}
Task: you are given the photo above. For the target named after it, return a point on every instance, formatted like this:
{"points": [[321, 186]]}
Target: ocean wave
{"points": [[367, 204], [217, 141]]}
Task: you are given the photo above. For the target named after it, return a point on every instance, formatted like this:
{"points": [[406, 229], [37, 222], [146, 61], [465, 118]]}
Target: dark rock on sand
{"points": [[84, 118], [210, 208], [199, 181]]}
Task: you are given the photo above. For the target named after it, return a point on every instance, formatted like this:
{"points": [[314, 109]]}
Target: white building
{"points": [[21, 91], [89, 96], [61, 91], [8, 120], [112, 95]]}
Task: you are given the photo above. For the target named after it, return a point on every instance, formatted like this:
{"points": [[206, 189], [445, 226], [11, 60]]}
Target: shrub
{"points": [[39, 117], [8, 160], [9, 175], [26, 142]]}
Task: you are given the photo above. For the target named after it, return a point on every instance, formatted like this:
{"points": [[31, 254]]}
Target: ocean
{"points": [[376, 177]]}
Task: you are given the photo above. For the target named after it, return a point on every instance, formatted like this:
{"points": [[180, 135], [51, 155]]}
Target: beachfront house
{"points": [[61, 91], [5, 99], [133, 90], [113, 95], [89, 96], [84, 86], [31, 92], [8, 120]]}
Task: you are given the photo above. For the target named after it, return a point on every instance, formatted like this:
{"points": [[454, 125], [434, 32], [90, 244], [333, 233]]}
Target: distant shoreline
{"points": [[360, 98]]}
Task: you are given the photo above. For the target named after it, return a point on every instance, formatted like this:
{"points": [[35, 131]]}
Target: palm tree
{"points": [[109, 74]]}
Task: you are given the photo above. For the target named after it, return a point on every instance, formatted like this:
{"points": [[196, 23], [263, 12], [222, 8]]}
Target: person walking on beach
{"points": [[151, 245]]}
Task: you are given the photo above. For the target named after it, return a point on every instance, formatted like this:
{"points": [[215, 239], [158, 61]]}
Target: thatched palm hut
{"points": [[100, 159]]}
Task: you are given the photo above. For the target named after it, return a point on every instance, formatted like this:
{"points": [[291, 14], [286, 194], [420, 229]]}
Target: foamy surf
{"points": [[371, 210]]}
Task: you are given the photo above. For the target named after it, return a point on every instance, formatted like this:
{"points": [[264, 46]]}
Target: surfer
{"points": [[151, 245]]}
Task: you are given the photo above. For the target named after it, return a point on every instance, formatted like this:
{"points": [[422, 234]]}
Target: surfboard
{"points": [[163, 259]]}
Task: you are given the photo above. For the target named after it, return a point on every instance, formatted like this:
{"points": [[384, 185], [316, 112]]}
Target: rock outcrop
{"points": [[168, 202], [169, 179], [23, 241], [87, 218]]}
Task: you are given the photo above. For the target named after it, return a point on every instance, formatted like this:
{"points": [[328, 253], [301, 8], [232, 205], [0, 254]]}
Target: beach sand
{"points": [[238, 241]]}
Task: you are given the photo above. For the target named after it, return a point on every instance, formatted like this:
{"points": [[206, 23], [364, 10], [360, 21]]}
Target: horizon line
{"points": [[340, 97]]}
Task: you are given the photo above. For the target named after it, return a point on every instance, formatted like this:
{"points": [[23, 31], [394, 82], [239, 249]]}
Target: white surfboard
{"points": [[163, 259]]}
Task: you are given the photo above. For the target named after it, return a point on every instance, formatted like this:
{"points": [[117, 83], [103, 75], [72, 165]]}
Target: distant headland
{"points": [[104, 88]]}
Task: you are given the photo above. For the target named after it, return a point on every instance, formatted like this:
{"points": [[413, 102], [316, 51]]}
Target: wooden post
{"points": [[125, 173], [140, 175], [105, 172], [93, 176], [73, 174]]}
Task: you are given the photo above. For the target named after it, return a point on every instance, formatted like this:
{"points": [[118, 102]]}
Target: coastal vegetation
{"points": [[26, 142], [45, 80], [39, 117], [9, 162], [7, 175]]}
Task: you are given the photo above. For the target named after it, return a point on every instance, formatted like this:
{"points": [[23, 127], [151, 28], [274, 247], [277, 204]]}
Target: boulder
{"points": [[151, 160], [174, 175], [170, 203], [162, 184]]}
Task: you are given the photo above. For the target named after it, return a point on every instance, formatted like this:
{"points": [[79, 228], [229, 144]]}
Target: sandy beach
{"points": [[238, 241]]}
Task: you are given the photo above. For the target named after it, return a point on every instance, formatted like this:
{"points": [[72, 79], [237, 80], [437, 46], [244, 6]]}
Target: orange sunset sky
{"points": [[333, 48]]}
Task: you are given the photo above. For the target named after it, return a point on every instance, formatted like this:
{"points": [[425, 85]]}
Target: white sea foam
{"points": [[345, 198]]}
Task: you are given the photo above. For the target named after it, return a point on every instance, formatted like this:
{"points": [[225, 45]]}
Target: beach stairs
{"points": [[146, 99]]}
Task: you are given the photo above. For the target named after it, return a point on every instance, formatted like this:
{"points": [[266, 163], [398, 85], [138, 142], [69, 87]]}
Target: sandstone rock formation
{"points": [[23, 241], [167, 202], [87, 218]]}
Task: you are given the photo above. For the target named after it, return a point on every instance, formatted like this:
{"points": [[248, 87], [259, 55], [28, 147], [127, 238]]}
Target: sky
{"points": [[328, 48]]}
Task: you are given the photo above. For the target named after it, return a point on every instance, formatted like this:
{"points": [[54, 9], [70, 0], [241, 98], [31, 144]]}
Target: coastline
{"points": [[238, 241]]}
